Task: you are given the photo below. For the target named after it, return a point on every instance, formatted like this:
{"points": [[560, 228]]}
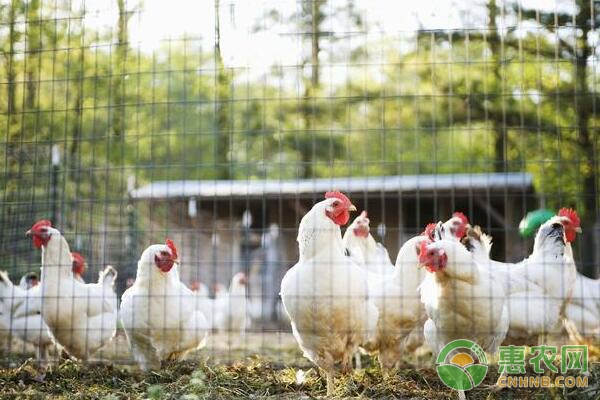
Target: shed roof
{"points": [[405, 184]]}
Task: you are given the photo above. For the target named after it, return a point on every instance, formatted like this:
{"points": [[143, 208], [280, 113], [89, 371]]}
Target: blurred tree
{"points": [[120, 60], [315, 145], [222, 105], [516, 92], [531, 85], [34, 39], [10, 55], [574, 30]]}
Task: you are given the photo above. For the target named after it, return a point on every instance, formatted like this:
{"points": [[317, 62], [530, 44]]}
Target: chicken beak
{"points": [[352, 207], [28, 233], [578, 230]]}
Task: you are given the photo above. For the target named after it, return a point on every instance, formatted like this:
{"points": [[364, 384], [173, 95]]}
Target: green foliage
{"points": [[438, 102]]}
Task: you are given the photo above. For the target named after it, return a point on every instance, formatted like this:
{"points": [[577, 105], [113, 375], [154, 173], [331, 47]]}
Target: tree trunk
{"points": [[33, 47], [315, 35], [11, 74], [118, 127], [307, 149], [586, 143], [496, 112], [222, 84], [9, 214], [77, 121]]}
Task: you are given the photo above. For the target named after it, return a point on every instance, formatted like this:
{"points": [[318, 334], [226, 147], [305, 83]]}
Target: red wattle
{"points": [[340, 218]]}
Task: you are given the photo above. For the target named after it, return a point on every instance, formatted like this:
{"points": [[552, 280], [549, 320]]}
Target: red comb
{"points": [[78, 263], [171, 246], [77, 257], [571, 214], [41, 224], [428, 231], [462, 217], [338, 195]]}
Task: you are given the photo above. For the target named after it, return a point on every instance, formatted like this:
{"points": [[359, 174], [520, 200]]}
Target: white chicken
{"points": [[219, 290], [363, 248], [199, 288], [584, 307], [29, 280], [230, 309], [478, 243], [372, 256], [539, 287], [159, 312], [461, 302], [325, 294], [20, 316], [81, 317], [401, 314], [456, 226]]}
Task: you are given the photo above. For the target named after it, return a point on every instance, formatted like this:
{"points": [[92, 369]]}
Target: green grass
{"points": [[251, 377]]}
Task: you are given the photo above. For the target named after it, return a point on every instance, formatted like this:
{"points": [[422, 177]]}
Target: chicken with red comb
{"points": [[461, 301], [325, 294], [401, 314], [542, 281], [159, 313], [434, 259], [81, 317], [428, 231], [461, 216], [457, 225], [78, 266], [364, 250], [571, 222], [340, 211], [39, 233], [361, 225], [171, 245]]}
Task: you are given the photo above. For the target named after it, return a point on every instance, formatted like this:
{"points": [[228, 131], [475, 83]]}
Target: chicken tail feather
{"points": [[4, 277], [108, 276]]}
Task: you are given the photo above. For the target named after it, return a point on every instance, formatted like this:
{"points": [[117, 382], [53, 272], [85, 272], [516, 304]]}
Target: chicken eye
{"points": [[556, 225], [164, 253]]}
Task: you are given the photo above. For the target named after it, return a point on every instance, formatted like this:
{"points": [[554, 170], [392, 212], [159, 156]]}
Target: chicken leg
{"points": [[330, 383]]}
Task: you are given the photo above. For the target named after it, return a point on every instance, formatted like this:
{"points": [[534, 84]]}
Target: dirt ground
{"points": [[262, 365]]}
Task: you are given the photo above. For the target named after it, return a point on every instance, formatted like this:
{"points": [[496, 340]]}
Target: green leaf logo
{"points": [[460, 369]]}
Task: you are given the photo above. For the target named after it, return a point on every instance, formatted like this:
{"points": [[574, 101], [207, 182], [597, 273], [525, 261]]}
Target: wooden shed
{"points": [[227, 226]]}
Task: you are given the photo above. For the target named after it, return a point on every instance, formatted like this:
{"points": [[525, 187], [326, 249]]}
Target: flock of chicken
{"points": [[162, 318], [342, 296]]}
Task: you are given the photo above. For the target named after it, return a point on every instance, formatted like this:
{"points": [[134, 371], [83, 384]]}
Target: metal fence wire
{"points": [[244, 132]]}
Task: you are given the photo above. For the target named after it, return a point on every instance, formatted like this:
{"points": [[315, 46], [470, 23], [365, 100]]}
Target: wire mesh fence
{"points": [[220, 125]]}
